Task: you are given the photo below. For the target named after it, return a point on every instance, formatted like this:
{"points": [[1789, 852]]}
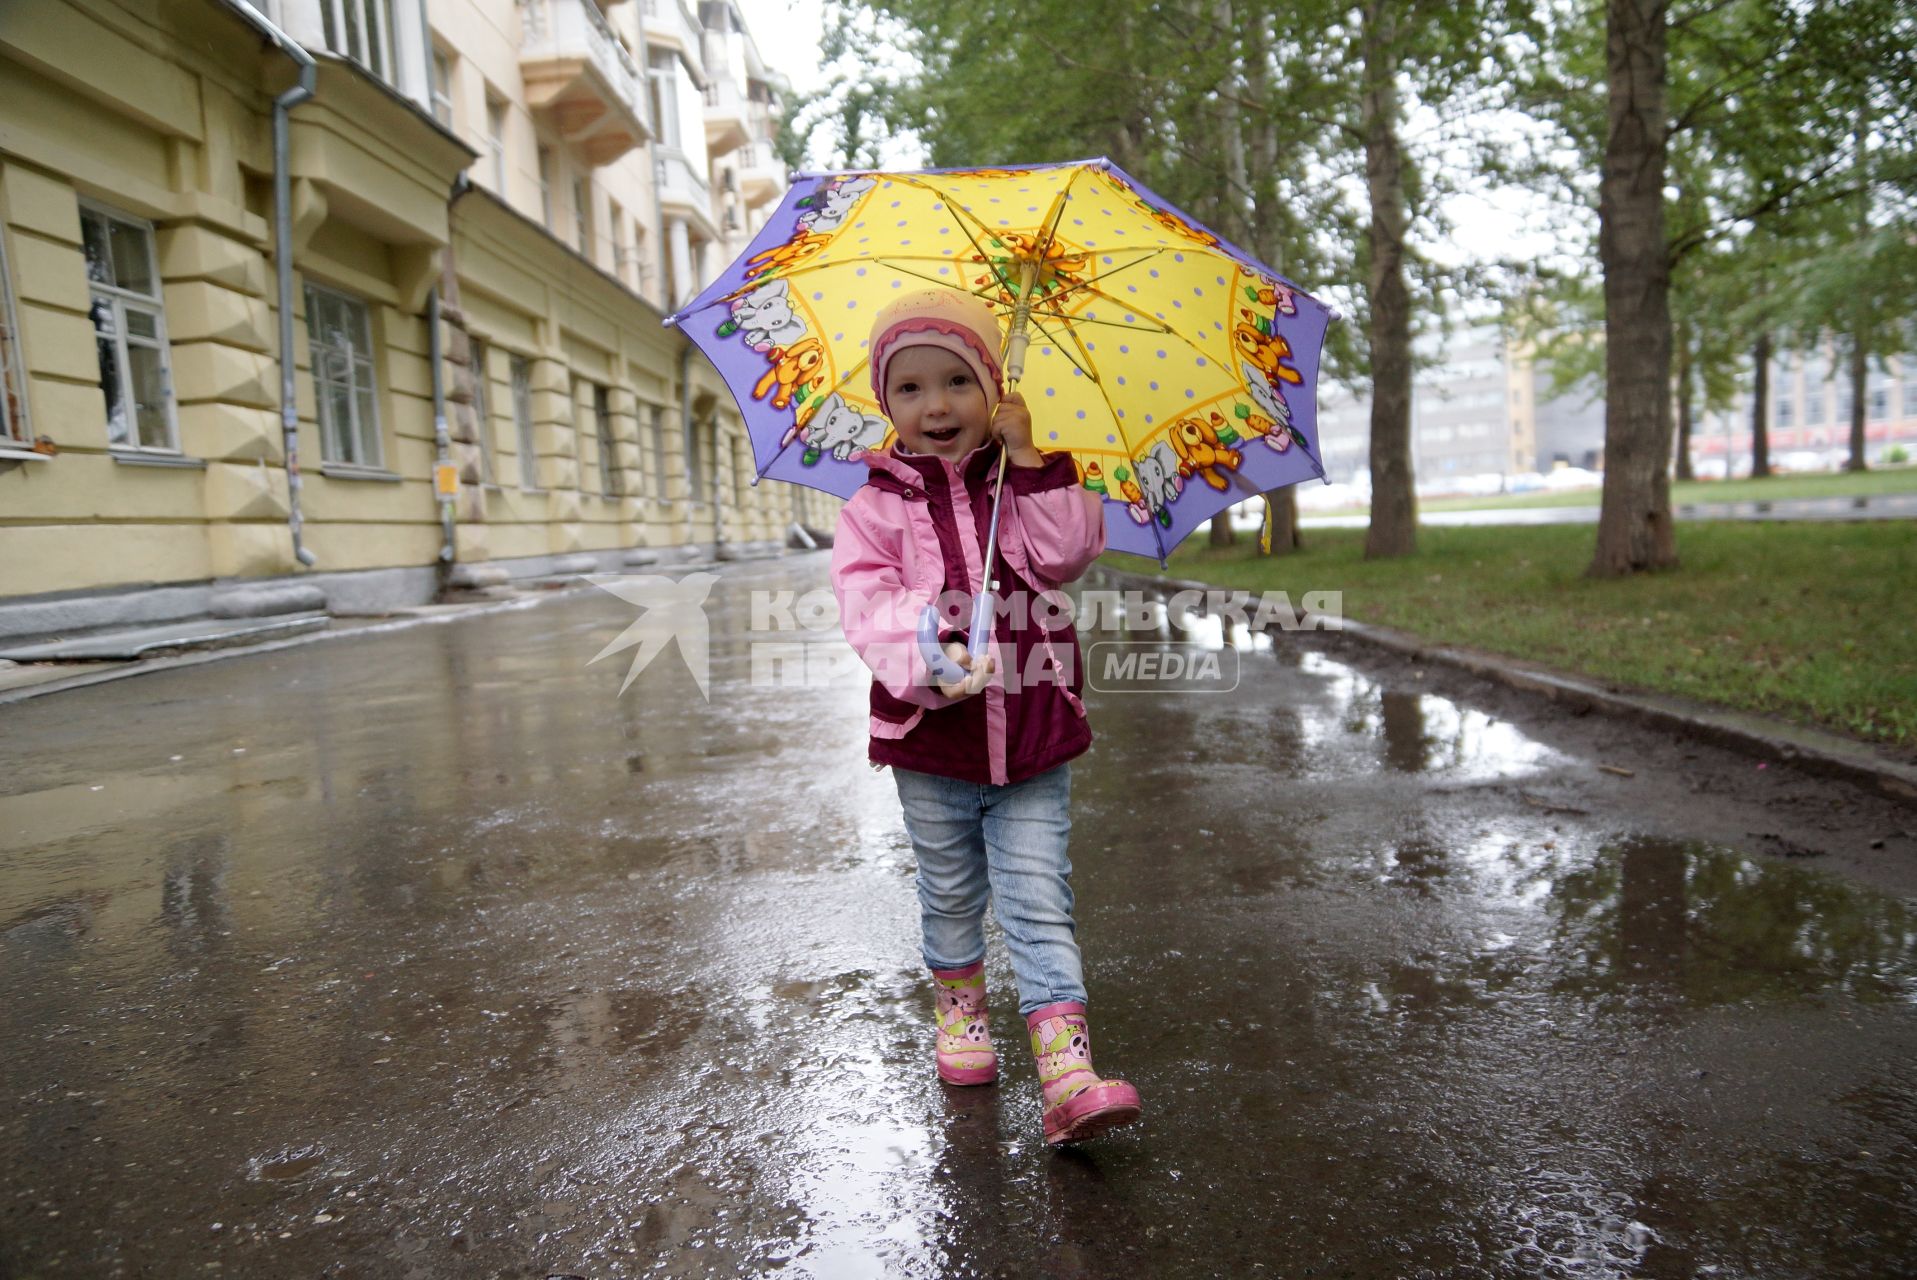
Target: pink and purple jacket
{"points": [[918, 529]]}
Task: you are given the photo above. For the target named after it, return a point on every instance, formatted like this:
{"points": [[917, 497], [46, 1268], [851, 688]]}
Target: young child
{"points": [[980, 763]]}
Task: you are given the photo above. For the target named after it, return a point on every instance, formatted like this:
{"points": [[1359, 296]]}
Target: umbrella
{"points": [[1178, 370]]}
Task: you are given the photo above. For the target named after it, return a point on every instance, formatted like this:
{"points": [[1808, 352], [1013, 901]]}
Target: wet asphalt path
{"points": [[424, 954]]}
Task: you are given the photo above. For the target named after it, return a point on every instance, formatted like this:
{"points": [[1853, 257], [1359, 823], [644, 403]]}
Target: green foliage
{"points": [[1777, 219]]}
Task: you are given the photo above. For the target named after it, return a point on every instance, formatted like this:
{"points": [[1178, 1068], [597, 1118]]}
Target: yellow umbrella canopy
{"points": [[1177, 370]]}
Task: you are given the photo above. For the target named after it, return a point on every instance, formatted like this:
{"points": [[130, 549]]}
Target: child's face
{"points": [[937, 404]]}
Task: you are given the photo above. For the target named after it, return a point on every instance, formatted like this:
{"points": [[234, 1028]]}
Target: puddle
{"points": [[1707, 926], [1416, 732]]}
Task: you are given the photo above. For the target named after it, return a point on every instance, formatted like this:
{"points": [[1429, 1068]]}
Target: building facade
{"points": [[550, 178], [1809, 417], [1475, 411]]}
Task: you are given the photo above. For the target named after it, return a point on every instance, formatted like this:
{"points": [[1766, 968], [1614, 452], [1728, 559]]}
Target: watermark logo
{"points": [[670, 609], [1189, 641], [1150, 666]]}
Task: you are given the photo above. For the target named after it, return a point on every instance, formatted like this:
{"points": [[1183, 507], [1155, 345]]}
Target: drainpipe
{"points": [[685, 425], [283, 260], [442, 437]]}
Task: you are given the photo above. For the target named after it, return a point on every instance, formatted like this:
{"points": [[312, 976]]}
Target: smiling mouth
{"points": [[944, 435]]}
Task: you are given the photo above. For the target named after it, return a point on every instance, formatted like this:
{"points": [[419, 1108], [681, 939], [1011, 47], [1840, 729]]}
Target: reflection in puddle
{"points": [[1656, 923], [1419, 732], [1709, 926]]}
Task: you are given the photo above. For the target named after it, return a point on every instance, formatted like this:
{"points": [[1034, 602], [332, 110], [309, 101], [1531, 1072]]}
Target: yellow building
{"points": [[550, 178]]}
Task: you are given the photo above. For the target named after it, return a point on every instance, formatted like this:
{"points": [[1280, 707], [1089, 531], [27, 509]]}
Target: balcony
{"points": [[580, 80], [728, 122], [684, 192], [762, 176], [669, 25]]}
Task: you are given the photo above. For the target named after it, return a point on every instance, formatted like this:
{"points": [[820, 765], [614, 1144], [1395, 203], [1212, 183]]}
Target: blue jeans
{"points": [[1009, 844]]}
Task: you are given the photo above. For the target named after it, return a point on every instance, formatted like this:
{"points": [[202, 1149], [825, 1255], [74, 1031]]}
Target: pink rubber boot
{"points": [[965, 1048], [1078, 1104]]}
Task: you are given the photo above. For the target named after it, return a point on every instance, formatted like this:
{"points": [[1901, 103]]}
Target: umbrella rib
{"points": [[1145, 256], [810, 267], [959, 214], [1082, 369]]}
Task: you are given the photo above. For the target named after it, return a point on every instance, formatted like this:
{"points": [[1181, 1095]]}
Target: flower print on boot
{"points": [[1078, 1104], [965, 1053]]}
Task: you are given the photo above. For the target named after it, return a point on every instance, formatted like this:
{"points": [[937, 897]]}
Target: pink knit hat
{"points": [[945, 318]]}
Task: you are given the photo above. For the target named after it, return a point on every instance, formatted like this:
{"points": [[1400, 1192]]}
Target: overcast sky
{"points": [[1486, 226]]}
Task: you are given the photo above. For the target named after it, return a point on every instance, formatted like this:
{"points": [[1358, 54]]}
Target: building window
{"points": [[496, 142], [521, 373], [13, 384], [340, 333], [442, 87], [621, 251], [696, 433], [363, 31], [582, 217], [1786, 410], [130, 330], [545, 186], [1879, 402], [663, 78], [482, 411], [602, 423], [658, 433]]}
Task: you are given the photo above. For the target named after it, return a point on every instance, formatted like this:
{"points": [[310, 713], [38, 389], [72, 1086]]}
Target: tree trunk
{"points": [[1394, 511], [1221, 530], [1285, 538], [1267, 229], [1859, 377], [1760, 408], [1686, 404], [1859, 341], [1634, 524]]}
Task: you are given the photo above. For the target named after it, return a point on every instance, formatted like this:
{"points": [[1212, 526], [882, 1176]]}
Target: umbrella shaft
{"points": [[1015, 343]]}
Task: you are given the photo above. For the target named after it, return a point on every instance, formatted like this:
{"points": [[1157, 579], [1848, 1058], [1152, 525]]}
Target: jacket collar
{"points": [[920, 468]]}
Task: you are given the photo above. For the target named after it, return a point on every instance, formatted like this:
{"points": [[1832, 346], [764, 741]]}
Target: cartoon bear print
{"points": [[794, 374], [1201, 452]]}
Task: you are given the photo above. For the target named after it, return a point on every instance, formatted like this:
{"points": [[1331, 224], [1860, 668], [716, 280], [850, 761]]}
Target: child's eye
{"points": [[907, 387], [961, 379]]}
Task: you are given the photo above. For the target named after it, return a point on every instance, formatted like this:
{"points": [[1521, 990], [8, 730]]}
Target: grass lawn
{"points": [[1842, 484], [1811, 622]]}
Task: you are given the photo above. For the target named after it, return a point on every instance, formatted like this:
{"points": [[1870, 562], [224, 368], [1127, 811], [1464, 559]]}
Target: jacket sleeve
{"points": [[878, 612], [1062, 521]]}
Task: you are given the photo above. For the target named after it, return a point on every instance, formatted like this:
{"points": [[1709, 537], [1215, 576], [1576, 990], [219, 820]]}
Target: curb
{"points": [[1811, 751]]}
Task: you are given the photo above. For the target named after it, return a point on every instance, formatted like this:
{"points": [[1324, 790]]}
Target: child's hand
{"points": [[1012, 425], [978, 678]]}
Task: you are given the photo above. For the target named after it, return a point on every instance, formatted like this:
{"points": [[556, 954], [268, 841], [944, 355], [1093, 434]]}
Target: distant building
{"points": [[566, 175], [1480, 408], [1809, 417]]}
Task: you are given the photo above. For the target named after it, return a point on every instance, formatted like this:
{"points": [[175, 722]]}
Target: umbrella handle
{"points": [[942, 668], [979, 639]]}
